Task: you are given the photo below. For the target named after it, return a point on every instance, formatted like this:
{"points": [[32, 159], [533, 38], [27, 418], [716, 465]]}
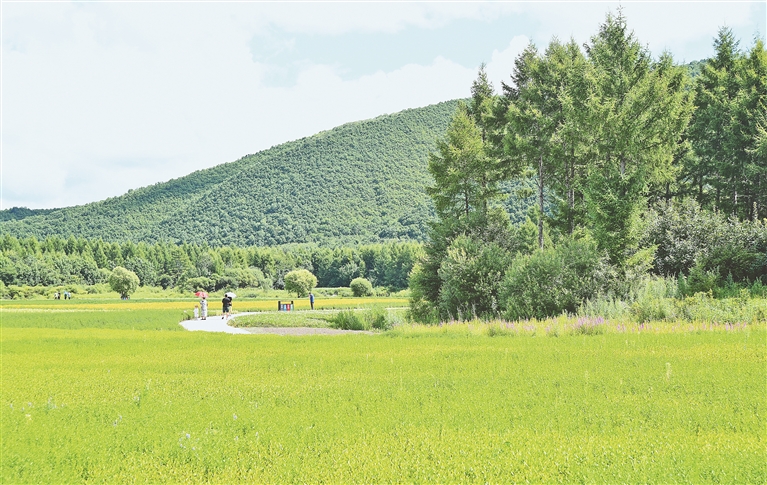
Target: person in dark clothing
{"points": [[227, 305], [311, 299]]}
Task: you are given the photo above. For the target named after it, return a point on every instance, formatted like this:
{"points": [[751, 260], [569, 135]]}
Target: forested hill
{"points": [[360, 182]]}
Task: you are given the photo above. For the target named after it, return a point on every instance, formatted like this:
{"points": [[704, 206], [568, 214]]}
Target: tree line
{"points": [[621, 146], [57, 261]]}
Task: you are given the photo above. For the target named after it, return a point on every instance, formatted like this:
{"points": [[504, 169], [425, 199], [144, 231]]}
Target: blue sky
{"points": [[99, 98]]}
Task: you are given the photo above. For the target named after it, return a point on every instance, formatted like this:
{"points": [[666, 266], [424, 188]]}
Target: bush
{"points": [[348, 320], [102, 276], [701, 280], [201, 283], [123, 281], [733, 260], [421, 309], [361, 287], [470, 276], [555, 280], [300, 282], [223, 281], [377, 318], [655, 301], [165, 281]]}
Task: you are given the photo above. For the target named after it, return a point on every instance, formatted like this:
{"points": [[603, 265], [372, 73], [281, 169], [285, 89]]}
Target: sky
{"points": [[101, 97]]}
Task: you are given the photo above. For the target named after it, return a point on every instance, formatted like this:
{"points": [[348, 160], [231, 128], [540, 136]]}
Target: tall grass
{"points": [[659, 299]]}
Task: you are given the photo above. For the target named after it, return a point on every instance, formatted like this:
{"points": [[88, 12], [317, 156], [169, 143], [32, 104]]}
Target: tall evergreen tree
{"points": [[639, 110], [715, 91], [747, 126], [533, 117]]}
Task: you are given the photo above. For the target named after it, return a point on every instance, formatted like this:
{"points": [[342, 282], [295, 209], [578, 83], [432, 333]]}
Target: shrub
{"points": [[421, 309], [377, 318], [555, 280], [300, 282], [123, 281], [165, 281], [733, 260], [361, 287], [655, 301], [470, 276], [682, 232], [348, 320], [701, 280], [200, 283]]}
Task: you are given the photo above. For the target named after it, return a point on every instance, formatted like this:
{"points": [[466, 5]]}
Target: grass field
{"points": [[107, 394]]}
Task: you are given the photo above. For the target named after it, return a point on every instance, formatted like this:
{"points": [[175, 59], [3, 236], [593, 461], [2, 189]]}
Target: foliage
{"points": [[349, 320], [361, 287], [694, 242], [300, 282], [123, 281], [602, 135], [728, 166], [470, 277], [643, 108], [555, 280], [58, 261], [679, 300], [545, 117]]}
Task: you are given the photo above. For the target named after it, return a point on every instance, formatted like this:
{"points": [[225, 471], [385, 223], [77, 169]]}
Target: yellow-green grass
{"points": [[188, 304], [305, 318], [316, 318], [478, 402], [164, 314]]}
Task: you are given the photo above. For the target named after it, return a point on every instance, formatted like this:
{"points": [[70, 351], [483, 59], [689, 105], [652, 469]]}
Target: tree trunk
{"points": [[571, 191], [466, 203], [540, 202]]}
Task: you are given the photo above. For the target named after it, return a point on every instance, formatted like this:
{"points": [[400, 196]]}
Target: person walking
{"points": [[311, 300], [204, 308], [226, 303]]}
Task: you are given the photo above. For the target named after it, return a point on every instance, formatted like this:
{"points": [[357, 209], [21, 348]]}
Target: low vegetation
{"points": [[561, 400]]}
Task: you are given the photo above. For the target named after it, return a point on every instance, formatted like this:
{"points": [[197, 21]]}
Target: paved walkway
{"points": [[218, 324], [213, 324]]}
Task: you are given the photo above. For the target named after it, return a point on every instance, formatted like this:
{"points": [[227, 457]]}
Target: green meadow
{"points": [[123, 394]]}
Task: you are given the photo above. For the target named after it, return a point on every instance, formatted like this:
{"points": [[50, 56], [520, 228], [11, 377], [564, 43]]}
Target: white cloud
{"points": [[501, 63], [95, 115], [99, 98]]}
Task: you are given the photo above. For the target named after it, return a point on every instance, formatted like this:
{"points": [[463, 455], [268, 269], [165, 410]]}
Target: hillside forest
{"points": [[358, 183], [29, 267], [649, 175]]}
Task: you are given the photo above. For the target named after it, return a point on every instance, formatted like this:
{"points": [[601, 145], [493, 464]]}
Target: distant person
{"points": [[196, 312], [226, 302], [56, 296], [204, 308], [311, 300]]}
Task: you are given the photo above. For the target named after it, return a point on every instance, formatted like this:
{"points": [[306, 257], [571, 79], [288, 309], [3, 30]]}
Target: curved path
{"points": [[218, 324]]}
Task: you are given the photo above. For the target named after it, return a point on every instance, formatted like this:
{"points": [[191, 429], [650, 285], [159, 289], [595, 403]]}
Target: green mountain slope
{"points": [[360, 182]]}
